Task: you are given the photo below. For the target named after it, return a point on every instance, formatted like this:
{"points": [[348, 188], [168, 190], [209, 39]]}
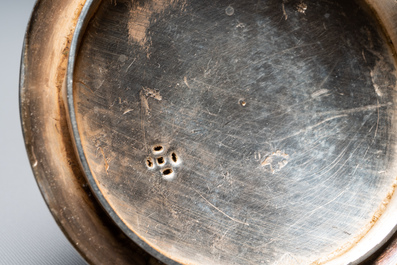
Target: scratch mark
{"points": [[127, 111], [186, 83], [209, 112], [240, 25], [290, 49], [126, 70], [257, 155], [377, 121], [81, 82], [284, 12], [219, 210], [330, 72], [144, 110], [311, 127], [288, 259], [105, 160], [376, 87], [354, 110], [363, 53], [35, 163], [207, 71], [228, 229], [319, 93], [56, 127], [317, 208], [354, 172]]}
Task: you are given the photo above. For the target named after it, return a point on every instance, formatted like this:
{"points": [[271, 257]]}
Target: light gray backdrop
{"points": [[28, 233]]}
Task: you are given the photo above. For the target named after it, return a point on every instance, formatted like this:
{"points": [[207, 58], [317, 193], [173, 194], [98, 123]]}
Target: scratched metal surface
{"points": [[238, 132]]}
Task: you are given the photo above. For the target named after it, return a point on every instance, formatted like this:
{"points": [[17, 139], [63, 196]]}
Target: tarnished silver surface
{"points": [[239, 132], [281, 122]]}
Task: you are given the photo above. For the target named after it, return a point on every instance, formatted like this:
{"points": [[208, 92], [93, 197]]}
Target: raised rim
{"points": [[49, 145]]}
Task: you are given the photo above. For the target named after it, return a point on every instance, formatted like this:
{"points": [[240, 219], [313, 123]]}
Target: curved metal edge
{"points": [[85, 16], [22, 75], [72, 207], [385, 12], [21, 87]]}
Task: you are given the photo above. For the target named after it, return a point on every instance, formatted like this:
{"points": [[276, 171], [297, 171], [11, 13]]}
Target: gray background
{"points": [[28, 233]]}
